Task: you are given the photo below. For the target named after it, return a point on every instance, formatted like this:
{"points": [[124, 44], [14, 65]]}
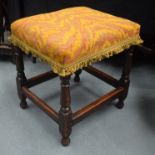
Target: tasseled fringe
{"points": [[64, 70]]}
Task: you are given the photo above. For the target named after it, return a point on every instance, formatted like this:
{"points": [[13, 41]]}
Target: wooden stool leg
{"points": [[77, 75], [65, 113], [21, 79], [34, 60], [125, 81]]}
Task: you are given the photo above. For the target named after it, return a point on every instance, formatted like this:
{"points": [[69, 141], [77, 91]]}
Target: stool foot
{"points": [[34, 60], [77, 76], [65, 141], [23, 103], [120, 104], [77, 79], [23, 106]]}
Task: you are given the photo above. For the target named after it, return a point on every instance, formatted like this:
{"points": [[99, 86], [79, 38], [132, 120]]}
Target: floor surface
{"points": [[108, 131]]}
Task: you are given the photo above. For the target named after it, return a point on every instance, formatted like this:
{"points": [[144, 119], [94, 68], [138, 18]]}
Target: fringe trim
{"points": [[65, 70]]}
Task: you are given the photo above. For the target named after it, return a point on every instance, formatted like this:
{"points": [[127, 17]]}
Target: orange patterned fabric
{"points": [[73, 38]]}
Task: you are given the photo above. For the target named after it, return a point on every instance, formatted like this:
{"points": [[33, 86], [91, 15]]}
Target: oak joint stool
{"points": [[70, 40]]}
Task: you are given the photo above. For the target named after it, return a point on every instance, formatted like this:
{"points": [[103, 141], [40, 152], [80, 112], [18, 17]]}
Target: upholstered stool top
{"points": [[72, 38]]}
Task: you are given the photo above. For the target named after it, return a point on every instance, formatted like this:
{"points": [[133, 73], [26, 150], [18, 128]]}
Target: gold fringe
{"points": [[64, 70]]}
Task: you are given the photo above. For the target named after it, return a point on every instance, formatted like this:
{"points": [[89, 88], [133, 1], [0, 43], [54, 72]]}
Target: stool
{"points": [[71, 40]]}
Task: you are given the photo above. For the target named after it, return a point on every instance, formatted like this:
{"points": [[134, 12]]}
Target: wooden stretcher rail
{"points": [[82, 113], [102, 76], [40, 78], [41, 104]]}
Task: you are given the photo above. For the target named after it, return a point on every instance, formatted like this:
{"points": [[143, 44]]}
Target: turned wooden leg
{"points": [[65, 113], [124, 80], [77, 75], [21, 79]]}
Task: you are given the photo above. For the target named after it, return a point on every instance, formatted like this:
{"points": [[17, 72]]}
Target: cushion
{"points": [[73, 38]]}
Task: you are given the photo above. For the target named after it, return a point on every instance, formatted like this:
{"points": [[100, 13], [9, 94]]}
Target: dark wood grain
{"points": [[21, 78], [82, 113], [77, 75], [40, 103], [125, 77], [102, 76], [40, 78], [65, 113], [65, 118]]}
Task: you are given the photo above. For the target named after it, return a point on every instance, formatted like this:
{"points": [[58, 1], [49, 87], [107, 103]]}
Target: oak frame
{"points": [[65, 118]]}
